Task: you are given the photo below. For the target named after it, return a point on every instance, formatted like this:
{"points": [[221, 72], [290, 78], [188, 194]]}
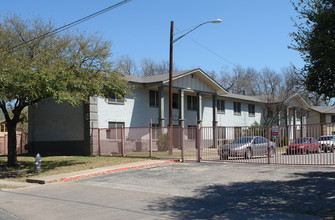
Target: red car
{"points": [[304, 145]]}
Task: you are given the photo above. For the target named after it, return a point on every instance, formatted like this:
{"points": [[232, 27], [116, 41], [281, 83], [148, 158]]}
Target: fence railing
{"points": [[21, 142], [146, 141], [299, 144]]}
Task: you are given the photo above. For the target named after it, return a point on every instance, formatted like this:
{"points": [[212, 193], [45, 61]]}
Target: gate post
{"points": [[122, 141], [182, 142], [269, 137], [150, 139], [198, 141], [99, 146]]}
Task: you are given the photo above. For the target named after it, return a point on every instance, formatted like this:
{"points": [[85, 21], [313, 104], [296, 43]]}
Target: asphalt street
{"points": [[183, 191]]}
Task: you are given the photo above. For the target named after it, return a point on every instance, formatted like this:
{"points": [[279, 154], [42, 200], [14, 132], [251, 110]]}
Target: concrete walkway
{"points": [[13, 183]]}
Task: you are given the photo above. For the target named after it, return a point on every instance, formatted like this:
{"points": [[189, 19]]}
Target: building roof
{"points": [[324, 109], [263, 99], [242, 97], [164, 79], [266, 99], [156, 78]]}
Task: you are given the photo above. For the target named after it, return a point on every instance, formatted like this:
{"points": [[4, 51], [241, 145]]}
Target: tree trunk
{"points": [[12, 154]]}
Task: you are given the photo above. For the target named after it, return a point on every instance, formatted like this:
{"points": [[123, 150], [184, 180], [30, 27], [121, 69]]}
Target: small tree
{"points": [[163, 142], [67, 67]]}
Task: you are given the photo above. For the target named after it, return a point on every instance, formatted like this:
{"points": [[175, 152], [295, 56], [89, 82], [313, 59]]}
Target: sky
{"points": [[252, 33]]}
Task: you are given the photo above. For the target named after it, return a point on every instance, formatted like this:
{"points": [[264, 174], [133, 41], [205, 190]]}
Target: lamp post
{"points": [[172, 41]]}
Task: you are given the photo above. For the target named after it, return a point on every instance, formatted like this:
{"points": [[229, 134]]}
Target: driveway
{"points": [[184, 191]]}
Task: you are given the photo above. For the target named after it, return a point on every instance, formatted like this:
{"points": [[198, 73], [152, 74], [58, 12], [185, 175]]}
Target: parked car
{"points": [[247, 147], [304, 145], [327, 143]]}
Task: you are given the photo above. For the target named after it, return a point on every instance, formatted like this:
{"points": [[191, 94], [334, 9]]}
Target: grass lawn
{"points": [[52, 165]]}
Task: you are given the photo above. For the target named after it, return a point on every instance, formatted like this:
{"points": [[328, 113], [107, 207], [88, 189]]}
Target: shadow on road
{"points": [[311, 196]]}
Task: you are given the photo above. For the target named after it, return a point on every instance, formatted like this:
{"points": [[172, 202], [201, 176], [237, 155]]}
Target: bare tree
{"points": [[151, 68], [272, 88], [162, 67], [212, 74], [277, 92], [242, 81], [148, 67], [126, 65]]}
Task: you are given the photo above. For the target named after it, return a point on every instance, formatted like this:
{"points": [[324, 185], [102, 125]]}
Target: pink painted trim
{"points": [[118, 169]]}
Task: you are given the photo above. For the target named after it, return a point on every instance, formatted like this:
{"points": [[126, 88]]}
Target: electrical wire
{"points": [[182, 31], [79, 21], [209, 50]]}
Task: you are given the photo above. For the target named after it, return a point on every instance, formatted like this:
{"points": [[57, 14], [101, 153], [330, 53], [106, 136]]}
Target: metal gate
{"points": [[291, 145]]}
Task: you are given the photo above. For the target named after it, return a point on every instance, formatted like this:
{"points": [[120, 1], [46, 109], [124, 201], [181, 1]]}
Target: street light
{"points": [[216, 21]]}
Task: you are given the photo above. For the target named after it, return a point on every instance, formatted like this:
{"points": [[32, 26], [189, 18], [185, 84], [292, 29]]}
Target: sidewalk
{"points": [[91, 172], [14, 183]]}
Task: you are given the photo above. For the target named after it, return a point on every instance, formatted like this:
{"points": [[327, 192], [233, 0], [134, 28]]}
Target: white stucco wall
{"points": [[207, 111], [230, 119], [135, 112], [51, 121]]}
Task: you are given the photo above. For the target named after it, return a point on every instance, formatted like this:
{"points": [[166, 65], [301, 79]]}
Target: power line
{"points": [[211, 51], [67, 26]]}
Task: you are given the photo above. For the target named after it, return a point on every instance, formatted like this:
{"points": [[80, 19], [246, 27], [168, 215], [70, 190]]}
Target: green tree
{"points": [[67, 67], [315, 41]]}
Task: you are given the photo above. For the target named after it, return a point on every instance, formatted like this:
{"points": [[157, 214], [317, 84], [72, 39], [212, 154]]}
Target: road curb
{"points": [[114, 170], [98, 171]]}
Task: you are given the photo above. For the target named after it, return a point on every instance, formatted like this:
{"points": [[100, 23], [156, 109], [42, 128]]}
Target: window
{"points": [[175, 100], [115, 99], [251, 109], [114, 130], [333, 118], [192, 103], [153, 98], [237, 108], [220, 106], [191, 132]]}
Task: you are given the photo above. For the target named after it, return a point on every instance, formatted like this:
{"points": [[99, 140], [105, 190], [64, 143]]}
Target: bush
{"points": [[163, 142]]}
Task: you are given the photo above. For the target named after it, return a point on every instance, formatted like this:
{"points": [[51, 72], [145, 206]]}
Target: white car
{"points": [[327, 143]]}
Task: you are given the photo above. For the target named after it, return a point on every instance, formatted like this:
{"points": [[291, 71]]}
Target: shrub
{"points": [[163, 142]]}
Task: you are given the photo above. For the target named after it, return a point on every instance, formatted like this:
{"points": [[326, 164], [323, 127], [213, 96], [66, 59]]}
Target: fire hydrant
{"points": [[38, 160]]}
